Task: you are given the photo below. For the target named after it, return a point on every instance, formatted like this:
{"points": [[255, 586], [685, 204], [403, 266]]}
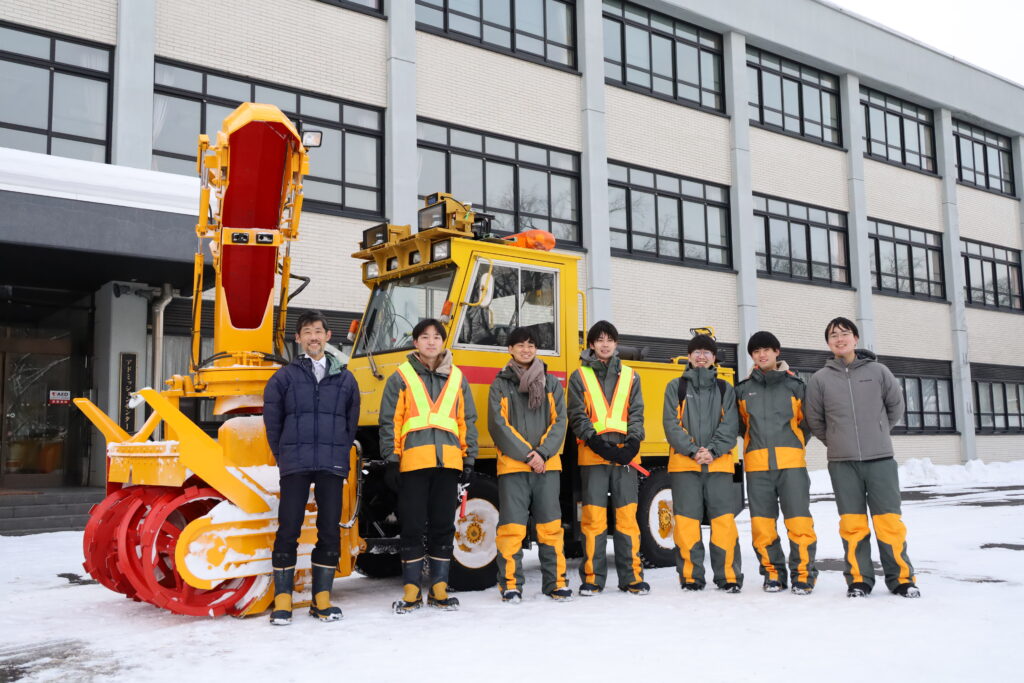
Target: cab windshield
{"points": [[397, 305]]}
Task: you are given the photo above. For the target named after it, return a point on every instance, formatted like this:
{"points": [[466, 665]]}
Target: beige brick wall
{"points": [[988, 217], [795, 169], [1000, 447], [913, 328], [658, 134], [89, 19], [478, 88], [661, 300], [344, 56], [798, 313], [995, 337], [942, 449], [902, 196], [323, 253]]}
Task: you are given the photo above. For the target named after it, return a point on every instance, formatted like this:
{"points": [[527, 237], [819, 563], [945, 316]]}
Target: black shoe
{"points": [[561, 595], [730, 587], [692, 586], [858, 590], [800, 588], [907, 590], [588, 589], [637, 588], [513, 597], [773, 586], [448, 604], [406, 606]]}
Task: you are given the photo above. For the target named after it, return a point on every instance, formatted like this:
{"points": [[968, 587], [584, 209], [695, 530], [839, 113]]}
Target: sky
{"points": [[986, 33]]}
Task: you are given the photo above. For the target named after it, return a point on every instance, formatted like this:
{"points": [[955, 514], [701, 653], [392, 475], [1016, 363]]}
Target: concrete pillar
{"points": [[857, 226], [132, 143], [120, 328], [953, 263], [741, 205], [594, 170], [400, 159]]}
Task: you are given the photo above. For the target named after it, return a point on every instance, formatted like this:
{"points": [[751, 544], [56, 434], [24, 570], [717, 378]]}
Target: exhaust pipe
{"points": [[157, 371]]}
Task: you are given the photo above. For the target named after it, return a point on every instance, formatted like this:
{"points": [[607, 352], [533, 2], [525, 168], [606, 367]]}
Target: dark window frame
{"points": [[967, 135], [55, 67], [301, 120], [931, 244], [991, 258], [906, 114], [704, 42], [680, 195], [987, 389], [767, 209], [922, 414], [765, 64], [445, 30], [520, 218]]}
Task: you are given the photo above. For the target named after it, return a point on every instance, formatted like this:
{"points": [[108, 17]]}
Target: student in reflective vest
{"points": [[606, 413], [428, 426]]}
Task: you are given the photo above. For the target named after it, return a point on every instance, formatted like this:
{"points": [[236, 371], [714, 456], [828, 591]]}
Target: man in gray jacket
{"points": [[851, 405]]}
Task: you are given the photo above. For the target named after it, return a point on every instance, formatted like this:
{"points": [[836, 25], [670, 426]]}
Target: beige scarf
{"points": [[531, 381]]}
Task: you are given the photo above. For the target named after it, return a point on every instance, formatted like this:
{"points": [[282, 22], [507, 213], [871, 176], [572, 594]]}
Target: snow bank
{"points": [[922, 472]]}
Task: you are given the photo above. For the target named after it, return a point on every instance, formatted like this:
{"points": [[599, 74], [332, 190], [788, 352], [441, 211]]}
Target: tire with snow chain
{"points": [[474, 563], [654, 515]]}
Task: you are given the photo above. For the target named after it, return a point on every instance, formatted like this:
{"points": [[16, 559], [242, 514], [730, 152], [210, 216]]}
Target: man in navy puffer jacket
{"points": [[310, 409]]}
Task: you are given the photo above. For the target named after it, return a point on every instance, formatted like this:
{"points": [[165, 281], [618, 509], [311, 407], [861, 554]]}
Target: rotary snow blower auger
{"points": [[189, 520]]}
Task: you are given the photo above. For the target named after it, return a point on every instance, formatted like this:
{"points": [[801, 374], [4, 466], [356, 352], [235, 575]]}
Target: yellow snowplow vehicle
{"points": [[481, 287], [189, 520]]}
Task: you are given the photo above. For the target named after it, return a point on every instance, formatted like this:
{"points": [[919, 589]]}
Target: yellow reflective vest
{"points": [[614, 417], [427, 414]]}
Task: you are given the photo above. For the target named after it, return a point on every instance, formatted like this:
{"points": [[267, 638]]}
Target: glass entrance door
{"points": [[35, 397]]}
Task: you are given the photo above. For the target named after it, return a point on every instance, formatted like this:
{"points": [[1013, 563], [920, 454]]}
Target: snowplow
{"points": [[482, 286], [189, 519]]}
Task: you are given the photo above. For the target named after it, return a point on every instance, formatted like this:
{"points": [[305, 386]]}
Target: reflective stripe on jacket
{"points": [[423, 413], [580, 407], [772, 420], [432, 446], [704, 418], [517, 430]]}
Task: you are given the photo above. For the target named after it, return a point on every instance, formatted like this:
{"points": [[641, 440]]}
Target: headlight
{"points": [[372, 270], [439, 251], [392, 263], [414, 258]]}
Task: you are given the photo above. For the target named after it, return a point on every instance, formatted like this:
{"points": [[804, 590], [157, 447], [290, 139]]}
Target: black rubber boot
{"points": [[437, 596], [284, 581], [320, 607], [412, 599]]}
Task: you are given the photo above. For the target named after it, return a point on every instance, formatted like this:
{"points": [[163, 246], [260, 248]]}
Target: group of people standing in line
{"points": [[428, 432]]}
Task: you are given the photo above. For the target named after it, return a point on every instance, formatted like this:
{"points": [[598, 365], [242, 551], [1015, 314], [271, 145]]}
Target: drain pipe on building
{"points": [[156, 374]]}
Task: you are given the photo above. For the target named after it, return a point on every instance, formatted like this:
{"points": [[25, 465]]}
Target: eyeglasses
{"points": [[702, 352]]}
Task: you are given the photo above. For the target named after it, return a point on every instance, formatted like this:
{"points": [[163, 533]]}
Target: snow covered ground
{"points": [[966, 540]]}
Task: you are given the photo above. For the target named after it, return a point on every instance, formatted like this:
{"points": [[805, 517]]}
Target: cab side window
{"points": [[522, 297]]}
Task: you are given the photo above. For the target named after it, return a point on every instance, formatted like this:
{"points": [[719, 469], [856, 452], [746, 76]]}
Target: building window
{"points": [[982, 158], [658, 54], [906, 260], [667, 216], [793, 97], [800, 241], [543, 30], [359, 5], [999, 406], [54, 94], [345, 173], [929, 404], [522, 184], [898, 131], [992, 274]]}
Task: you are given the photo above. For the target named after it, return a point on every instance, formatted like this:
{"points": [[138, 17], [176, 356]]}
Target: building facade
{"points": [[744, 165]]}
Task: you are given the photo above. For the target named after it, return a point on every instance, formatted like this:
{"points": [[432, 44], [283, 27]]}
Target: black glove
{"points": [[631, 447], [601, 447], [622, 456], [391, 476], [467, 474]]}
